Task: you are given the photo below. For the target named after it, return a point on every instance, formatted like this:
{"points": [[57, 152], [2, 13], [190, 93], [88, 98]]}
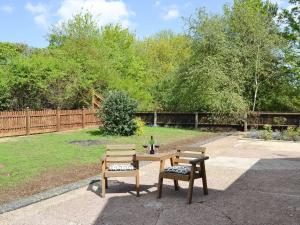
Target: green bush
{"points": [[267, 132], [291, 134], [117, 114], [140, 126], [280, 120]]}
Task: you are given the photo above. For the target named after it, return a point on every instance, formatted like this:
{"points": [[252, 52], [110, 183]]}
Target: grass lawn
{"points": [[22, 158]]}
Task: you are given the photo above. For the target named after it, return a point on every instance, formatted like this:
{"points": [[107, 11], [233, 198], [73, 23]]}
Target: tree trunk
{"points": [[256, 77]]}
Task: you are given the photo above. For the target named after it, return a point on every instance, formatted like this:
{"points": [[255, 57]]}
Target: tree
{"points": [[162, 55], [210, 79], [290, 18], [234, 56], [81, 26], [256, 33]]}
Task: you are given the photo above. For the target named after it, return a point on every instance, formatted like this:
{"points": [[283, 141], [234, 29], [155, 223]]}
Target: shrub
{"points": [[297, 138], [277, 135], [267, 132], [140, 126], [254, 133], [117, 114], [291, 134], [279, 120]]}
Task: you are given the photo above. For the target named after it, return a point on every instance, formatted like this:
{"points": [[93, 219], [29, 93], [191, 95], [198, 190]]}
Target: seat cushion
{"points": [[178, 169], [121, 167]]}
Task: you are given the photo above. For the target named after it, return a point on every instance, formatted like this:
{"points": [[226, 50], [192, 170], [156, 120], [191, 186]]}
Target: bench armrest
{"points": [[103, 163], [198, 160], [103, 158]]}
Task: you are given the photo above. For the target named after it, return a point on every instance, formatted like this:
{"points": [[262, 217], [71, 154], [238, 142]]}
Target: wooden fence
{"points": [[210, 120], [32, 122]]}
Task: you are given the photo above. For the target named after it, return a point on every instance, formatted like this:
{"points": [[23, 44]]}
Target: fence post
{"points": [[155, 119], [196, 120], [27, 121], [83, 117], [245, 123], [58, 119]]}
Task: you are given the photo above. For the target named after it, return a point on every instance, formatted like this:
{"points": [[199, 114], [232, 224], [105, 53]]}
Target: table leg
{"points": [[176, 185]]}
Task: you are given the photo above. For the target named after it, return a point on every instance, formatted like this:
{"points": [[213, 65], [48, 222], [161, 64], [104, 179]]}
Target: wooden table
{"points": [[161, 157], [156, 157]]}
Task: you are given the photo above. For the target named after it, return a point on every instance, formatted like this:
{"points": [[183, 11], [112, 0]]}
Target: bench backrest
{"points": [[124, 153], [186, 154]]}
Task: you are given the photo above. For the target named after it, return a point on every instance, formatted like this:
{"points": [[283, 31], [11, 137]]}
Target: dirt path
{"points": [[61, 176]]}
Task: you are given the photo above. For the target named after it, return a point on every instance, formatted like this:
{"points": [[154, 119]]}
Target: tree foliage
{"points": [[246, 58]]}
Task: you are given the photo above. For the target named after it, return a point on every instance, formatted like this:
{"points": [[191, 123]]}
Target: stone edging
{"points": [[45, 195], [73, 186], [258, 139]]}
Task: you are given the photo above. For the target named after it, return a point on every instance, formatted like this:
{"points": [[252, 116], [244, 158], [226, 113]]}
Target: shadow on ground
{"points": [[267, 193]]}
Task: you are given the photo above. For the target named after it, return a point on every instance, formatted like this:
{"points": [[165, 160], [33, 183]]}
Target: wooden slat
{"points": [[192, 149], [119, 159], [121, 153], [120, 147], [155, 157], [175, 176], [120, 173], [179, 160], [189, 154]]}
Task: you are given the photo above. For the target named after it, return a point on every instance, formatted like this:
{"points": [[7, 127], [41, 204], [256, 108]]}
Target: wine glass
{"points": [[145, 146], [156, 147]]}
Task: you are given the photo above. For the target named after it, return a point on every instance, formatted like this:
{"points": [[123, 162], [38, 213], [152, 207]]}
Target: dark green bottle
{"points": [[151, 142]]}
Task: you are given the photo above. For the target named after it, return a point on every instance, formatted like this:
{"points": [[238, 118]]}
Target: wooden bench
{"points": [[193, 159], [119, 154]]}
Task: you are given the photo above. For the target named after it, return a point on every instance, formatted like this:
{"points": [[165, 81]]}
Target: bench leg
{"points": [[103, 186], [176, 185], [191, 184], [106, 184], [190, 191], [160, 183], [137, 183], [204, 181]]}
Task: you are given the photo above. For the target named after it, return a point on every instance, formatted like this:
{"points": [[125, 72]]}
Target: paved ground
{"points": [[250, 182]]}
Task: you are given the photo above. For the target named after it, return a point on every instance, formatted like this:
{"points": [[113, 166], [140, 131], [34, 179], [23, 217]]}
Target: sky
{"points": [[28, 21]]}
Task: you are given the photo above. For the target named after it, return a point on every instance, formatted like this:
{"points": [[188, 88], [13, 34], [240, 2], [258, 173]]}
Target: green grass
{"points": [[25, 157]]}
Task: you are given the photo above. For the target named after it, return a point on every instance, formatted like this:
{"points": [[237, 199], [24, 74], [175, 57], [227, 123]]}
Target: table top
{"points": [[154, 157]]}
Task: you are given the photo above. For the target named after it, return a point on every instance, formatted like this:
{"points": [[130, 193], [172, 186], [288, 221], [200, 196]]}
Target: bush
{"points": [[279, 120], [117, 114], [140, 126], [291, 134], [267, 132], [277, 135], [254, 133]]}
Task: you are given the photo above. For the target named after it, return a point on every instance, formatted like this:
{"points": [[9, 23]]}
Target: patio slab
{"points": [[250, 182]]}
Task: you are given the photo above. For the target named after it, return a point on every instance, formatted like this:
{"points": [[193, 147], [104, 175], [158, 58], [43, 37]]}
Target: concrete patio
{"points": [[250, 182]]}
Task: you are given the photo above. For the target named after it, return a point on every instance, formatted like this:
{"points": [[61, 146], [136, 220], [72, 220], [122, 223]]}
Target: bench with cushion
{"points": [[120, 161], [188, 165]]}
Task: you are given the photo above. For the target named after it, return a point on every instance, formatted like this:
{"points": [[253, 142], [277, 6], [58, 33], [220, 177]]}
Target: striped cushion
{"points": [[178, 169], [121, 167]]}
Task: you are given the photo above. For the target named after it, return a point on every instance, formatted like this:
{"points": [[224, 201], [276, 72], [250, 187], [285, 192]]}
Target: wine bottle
{"points": [[151, 145]]}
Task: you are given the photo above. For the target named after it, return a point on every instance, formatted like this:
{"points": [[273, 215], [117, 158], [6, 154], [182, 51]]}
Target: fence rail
{"points": [[32, 122]]}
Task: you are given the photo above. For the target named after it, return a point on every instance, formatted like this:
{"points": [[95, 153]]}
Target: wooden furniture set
{"points": [[187, 164]]}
